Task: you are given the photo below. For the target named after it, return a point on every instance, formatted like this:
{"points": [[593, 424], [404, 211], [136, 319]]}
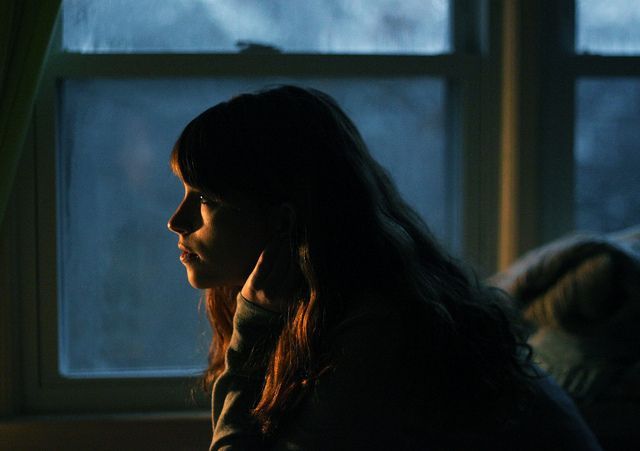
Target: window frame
{"points": [[549, 75], [473, 67]]}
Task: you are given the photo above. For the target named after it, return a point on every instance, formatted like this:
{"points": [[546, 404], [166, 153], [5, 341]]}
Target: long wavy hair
{"points": [[352, 229]]}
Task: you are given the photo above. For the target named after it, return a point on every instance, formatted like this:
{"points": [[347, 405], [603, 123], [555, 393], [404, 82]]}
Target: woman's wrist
{"points": [[254, 308], [253, 324]]}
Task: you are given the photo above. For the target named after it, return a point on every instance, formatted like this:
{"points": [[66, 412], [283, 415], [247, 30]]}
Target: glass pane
{"points": [[607, 153], [328, 26], [608, 27], [125, 302]]}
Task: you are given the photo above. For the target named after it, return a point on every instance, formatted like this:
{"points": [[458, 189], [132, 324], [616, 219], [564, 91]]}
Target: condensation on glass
{"points": [[328, 26], [610, 27], [125, 304], [607, 153]]}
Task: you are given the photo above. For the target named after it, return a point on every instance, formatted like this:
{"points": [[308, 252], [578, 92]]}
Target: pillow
{"points": [[580, 295]]}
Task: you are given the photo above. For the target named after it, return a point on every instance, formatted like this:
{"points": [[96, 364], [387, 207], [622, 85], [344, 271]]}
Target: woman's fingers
{"points": [[271, 277], [265, 265], [278, 266]]}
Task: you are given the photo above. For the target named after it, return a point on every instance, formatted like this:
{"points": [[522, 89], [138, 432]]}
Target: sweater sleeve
{"points": [[236, 390]]}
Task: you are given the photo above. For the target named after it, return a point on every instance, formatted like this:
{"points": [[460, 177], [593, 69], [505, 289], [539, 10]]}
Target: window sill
{"points": [[157, 431]]}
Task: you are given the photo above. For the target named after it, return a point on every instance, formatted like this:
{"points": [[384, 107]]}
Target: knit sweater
{"points": [[375, 397]]}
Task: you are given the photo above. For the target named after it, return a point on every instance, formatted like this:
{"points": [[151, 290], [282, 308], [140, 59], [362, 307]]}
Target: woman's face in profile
{"points": [[220, 240]]}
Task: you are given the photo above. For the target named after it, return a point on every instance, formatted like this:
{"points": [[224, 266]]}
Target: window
{"points": [[116, 321], [203, 26], [125, 305], [606, 153], [590, 116], [607, 113], [607, 28]]}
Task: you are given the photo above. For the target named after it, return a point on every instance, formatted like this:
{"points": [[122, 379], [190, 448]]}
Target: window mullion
{"points": [[556, 178], [593, 65], [68, 65]]}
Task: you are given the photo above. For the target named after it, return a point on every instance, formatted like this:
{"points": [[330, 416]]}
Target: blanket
{"points": [[580, 296]]}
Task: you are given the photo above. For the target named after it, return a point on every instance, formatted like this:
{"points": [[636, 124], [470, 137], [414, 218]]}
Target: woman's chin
{"points": [[198, 285], [198, 281], [203, 282]]}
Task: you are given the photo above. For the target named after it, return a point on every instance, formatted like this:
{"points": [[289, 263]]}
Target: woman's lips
{"points": [[187, 256]]}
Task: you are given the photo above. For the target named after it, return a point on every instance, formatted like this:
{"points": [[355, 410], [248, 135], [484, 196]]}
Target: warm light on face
{"points": [[219, 240]]}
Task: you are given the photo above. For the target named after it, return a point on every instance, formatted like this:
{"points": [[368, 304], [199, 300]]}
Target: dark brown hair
{"points": [[295, 145]]}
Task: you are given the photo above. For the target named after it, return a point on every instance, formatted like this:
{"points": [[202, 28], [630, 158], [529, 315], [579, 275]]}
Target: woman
{"points": [[338, 322]]}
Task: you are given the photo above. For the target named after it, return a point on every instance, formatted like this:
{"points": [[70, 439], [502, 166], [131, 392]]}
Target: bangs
{"points": [[198, 156], [179, 163], [237, 147]]}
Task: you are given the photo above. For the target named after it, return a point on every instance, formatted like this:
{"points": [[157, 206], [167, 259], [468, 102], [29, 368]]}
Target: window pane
{"points": [[125, 303], [608, 27], [607, 153], [329, 26]]}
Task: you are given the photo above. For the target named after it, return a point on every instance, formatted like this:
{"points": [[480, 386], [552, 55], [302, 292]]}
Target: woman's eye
{"points": [[204, 200]]}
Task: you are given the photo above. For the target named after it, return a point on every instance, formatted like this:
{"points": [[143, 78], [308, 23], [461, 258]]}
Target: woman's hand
{"points": [[274, 277]]}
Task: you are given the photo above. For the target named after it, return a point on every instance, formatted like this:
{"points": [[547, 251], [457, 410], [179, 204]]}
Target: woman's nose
{"points": [[179, 222]]}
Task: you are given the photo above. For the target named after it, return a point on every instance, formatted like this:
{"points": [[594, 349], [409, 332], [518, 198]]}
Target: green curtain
{"points": [[25, 31]]}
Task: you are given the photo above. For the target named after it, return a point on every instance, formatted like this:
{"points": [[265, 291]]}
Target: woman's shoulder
{"points": [[554, 418], [367, 396], [372, 323], [376, 351]]}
